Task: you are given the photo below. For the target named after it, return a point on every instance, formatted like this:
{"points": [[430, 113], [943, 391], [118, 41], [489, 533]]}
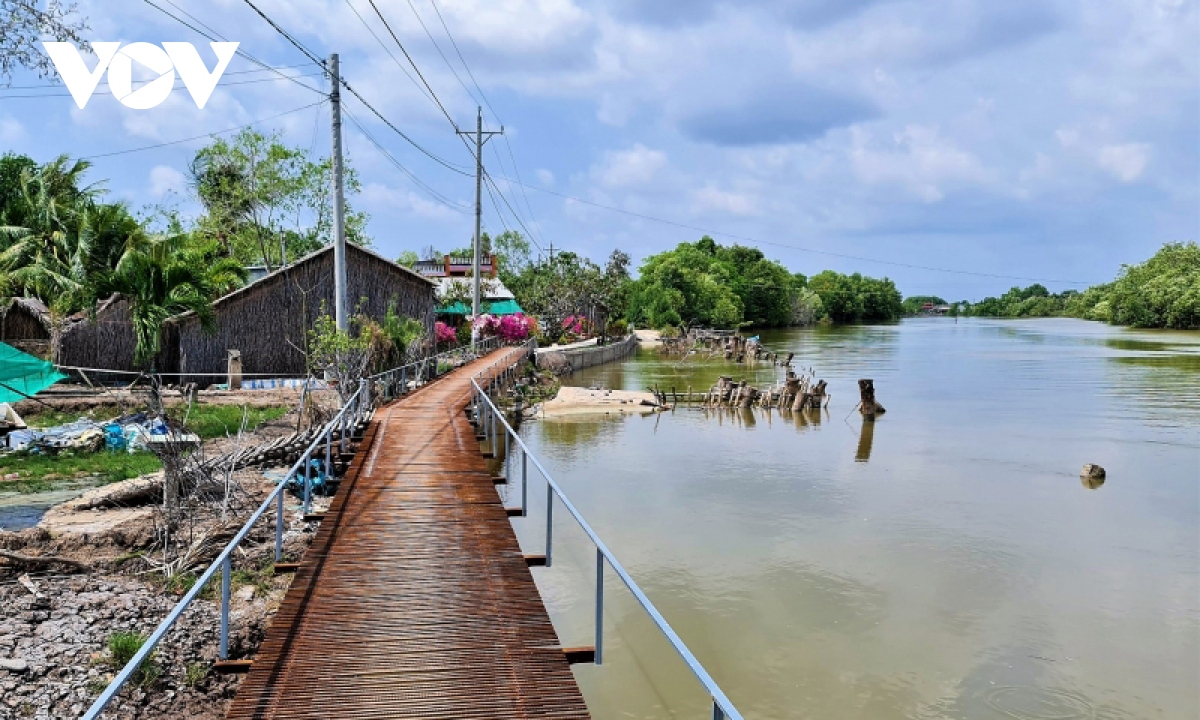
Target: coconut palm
{"points": [[39, 243], [164, 276]]}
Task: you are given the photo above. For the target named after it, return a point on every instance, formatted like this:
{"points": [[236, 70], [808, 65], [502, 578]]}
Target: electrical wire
{"points": [[311, 56], [205, 135], [796, 247], [175, 87], [408, 173], [386, 49], [216, 36], [411, 62], [439, 50], [488, 177]]}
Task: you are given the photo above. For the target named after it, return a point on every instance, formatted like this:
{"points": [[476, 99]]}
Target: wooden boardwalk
{"points": [[414, 600]]}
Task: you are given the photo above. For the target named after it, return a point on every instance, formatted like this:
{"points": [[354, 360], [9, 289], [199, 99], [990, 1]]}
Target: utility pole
{"points": [[480, 138], [339, 201]]}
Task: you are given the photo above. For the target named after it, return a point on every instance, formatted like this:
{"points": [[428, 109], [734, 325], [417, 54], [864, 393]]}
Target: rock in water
{"points": [[1092, 471]]}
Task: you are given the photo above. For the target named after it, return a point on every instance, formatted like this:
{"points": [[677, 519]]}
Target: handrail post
{"points": [[599, 605], [524, 484], [507, 464], [718, 714], [279, 525], [307, 482], [342, 431], [223, 649], [549, 522], [328, 456]]}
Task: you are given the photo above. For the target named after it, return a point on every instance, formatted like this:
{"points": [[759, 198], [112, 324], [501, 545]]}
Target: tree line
{"points": [[1162, 292], [61, 241]]}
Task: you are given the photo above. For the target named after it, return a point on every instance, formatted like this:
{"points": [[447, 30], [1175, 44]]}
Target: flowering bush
{"points": [[575, 324], [445, 334], [511, 328]]}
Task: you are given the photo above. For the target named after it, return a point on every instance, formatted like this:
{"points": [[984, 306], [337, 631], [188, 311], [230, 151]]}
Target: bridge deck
{"points": [[414, 600]]}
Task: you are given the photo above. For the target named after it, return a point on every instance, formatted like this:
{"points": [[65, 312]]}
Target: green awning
{"points": [[22, 375], [494, 307]]}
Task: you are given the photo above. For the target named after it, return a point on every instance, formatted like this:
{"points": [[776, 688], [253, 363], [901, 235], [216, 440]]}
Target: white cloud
{"points": [[377, 196], [1126, 162], [11, 130], [920, 160], [710, 198], [165, 179], [634, 167], [545, 177]]}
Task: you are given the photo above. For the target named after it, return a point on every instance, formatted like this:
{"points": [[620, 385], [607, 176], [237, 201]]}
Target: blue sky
{"points": [[1034, 139]]}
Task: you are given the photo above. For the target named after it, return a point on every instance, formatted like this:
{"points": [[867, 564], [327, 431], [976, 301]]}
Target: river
{"points": [[946, 562]]}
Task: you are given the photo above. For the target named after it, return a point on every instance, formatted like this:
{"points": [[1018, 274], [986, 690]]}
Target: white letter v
{"points": [[200, 83], [75, 75]]}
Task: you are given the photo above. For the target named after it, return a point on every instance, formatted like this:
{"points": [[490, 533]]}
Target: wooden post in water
{"points": [[867, 404]]}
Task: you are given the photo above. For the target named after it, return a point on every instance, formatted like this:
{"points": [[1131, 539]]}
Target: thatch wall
{"points": [[25, 325], [268, 321], [107, 342]]}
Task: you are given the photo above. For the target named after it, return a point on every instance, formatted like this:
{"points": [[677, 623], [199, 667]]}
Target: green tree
{"points": [[266, 202], [25, 25]]}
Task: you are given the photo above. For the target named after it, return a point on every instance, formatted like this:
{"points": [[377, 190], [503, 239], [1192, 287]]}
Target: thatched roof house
{"points": [[268, 320], [26, 325]]}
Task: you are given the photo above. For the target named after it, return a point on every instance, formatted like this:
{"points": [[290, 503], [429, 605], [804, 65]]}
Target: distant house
{"points": [[268, 321], [494, 297], [456, 266]]}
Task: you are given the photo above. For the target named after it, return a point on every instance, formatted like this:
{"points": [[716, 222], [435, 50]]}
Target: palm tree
{"points": [[164, 276], [39, 243]]}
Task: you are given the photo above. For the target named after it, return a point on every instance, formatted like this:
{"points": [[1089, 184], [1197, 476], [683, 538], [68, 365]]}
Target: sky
{"points": [[959, 147]]}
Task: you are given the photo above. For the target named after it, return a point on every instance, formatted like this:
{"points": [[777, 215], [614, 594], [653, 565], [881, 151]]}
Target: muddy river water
{"points": [[946, 562]]}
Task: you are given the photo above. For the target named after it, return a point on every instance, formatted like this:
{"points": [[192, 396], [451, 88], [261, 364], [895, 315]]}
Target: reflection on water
{"points": [[961, 573], [866, 438]]}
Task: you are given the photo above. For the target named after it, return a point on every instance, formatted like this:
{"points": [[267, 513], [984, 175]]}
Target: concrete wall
{"points": [[588, 356]]}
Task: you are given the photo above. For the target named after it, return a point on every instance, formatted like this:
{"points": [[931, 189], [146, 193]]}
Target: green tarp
{"points": [[494, 307], [22, 375]]}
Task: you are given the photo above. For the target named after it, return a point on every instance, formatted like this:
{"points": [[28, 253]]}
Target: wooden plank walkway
{"points": [[414, 600]]}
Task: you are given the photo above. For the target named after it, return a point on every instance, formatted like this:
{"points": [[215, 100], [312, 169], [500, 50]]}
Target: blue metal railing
{"points": [[353, 411], [492, 421]]}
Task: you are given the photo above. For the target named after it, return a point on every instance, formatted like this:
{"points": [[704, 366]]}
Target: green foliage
{"points": [[914, 303], [265, 202], [1162, 292], [213, 421], [856, 298], [709, 284], [195, 674], [566, 284], [38, 473], [407, 258], [398, 339], [122, 646]]}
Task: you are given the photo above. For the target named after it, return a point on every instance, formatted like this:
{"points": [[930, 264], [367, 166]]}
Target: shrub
{"points": [[122, 646]]}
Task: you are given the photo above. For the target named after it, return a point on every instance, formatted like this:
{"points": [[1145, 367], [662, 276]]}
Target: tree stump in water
{"points": [[867, 404]]}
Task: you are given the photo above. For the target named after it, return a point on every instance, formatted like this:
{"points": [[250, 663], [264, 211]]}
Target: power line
{"points": [[176, 87], [215, 36], [439, 49], [793, 247], [55, 86], [199, 137], [411, 62], [475, 82], [311, 56], [411, 176], [386, 49], [488, 177]]}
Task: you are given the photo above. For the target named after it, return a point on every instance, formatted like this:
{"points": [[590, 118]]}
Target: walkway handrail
{"points": [[487, 415], [352, 412]]}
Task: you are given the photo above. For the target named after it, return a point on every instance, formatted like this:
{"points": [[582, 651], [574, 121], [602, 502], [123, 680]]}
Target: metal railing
{"points": [[395, 382], [492, 421], [353, 411]]}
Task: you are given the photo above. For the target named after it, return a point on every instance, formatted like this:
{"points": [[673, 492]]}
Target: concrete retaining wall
{"points": [[587, 357]]}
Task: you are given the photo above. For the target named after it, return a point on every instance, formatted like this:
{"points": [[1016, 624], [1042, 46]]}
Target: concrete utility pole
{"points": [[341, 311], [481, 137]]}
